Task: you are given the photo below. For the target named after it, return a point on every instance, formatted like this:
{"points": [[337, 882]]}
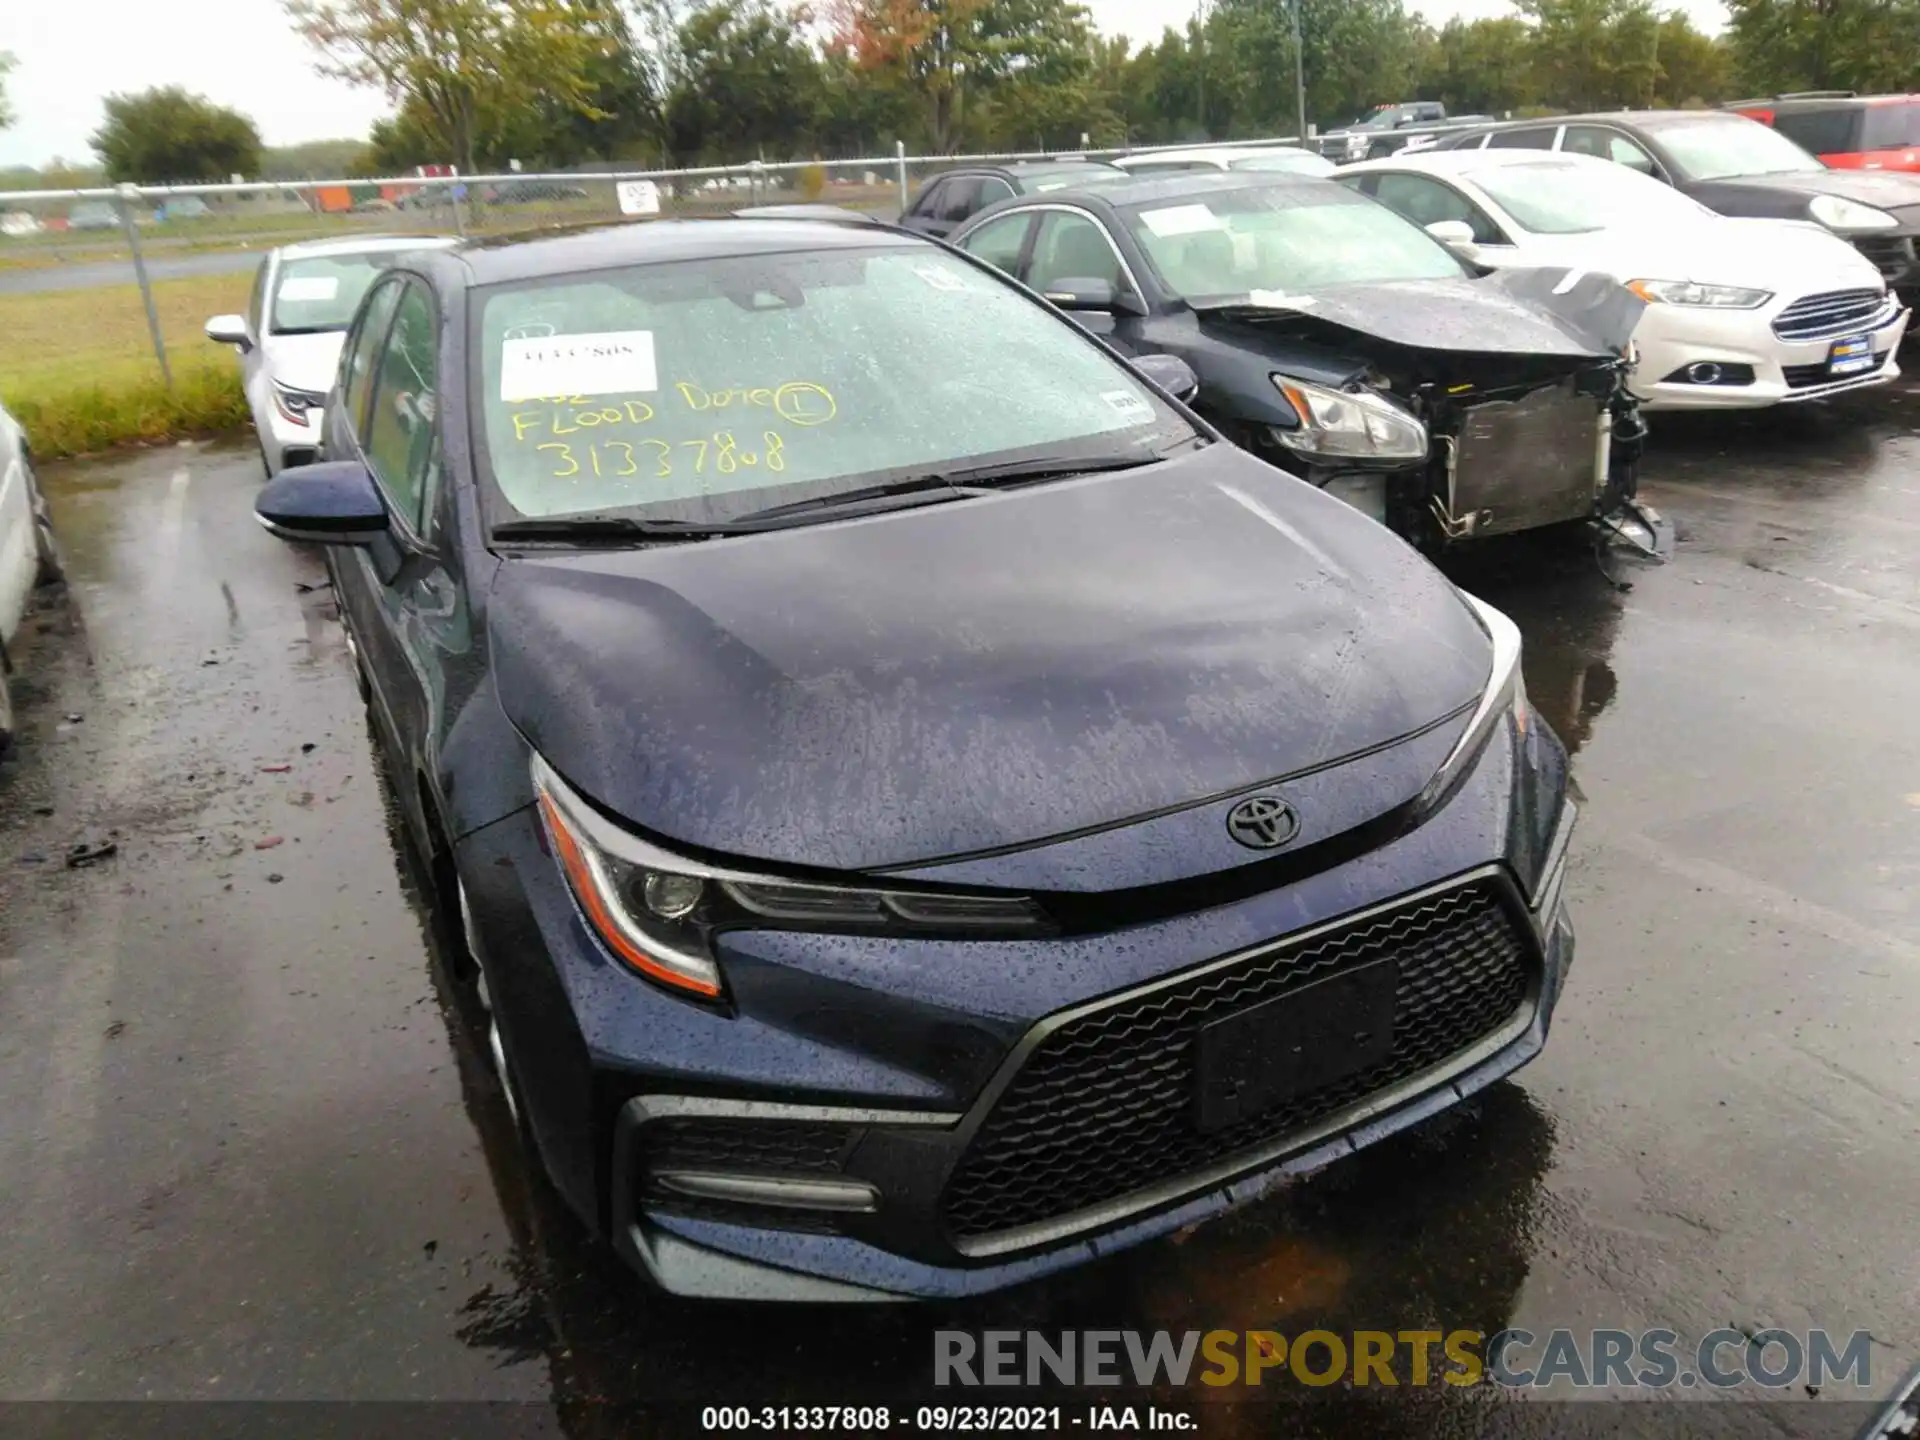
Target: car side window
{"points": [[1424, 201], [930, 199], [1072, 247], [1607, 144], [363, 352], [960, 199], [400, 429], [999, 241], [993, 190], [1528, 137]]}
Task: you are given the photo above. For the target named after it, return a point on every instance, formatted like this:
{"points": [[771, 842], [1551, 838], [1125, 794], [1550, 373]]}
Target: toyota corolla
{"points": [[922, 809]]}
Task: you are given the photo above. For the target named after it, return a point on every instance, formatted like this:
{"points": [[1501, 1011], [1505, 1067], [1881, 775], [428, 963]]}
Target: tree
{"points": [[166, 136], [944, 50], [1482, 67], [748, 79], [466, 67], [6, 109], [1780, 45]]}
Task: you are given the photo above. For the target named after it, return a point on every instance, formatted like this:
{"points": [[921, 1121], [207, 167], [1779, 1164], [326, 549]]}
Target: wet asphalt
{"points": [[249, 1150]]}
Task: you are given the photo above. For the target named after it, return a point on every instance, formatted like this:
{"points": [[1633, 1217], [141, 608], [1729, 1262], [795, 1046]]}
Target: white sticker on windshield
{"points": [[1279, 300], [612, 362], [310, 287], [940, 279], [1128, 404], [1181, 220]]}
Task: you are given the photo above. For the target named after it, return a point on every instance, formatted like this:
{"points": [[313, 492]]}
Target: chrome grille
{"points": [[1832, 313]]}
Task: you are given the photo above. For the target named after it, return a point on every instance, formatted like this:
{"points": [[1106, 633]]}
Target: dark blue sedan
{"points": [[924, 809]]}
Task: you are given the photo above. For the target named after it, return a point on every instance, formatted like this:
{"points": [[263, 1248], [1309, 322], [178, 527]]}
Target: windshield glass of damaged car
{"points": [[705, 390], [1235, 243]]}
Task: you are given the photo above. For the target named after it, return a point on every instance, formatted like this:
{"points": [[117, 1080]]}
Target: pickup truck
{"points": [[1355, 141]]}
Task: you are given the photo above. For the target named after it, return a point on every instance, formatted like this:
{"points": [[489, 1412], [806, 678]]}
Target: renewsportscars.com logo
{"points": [[1584, 1360]]}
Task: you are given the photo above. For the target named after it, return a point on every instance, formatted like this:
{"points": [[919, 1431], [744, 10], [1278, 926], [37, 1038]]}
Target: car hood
{"points": [[1887, 189], [1555, 312], [981, 674], [1790, 257], [305, 362]]}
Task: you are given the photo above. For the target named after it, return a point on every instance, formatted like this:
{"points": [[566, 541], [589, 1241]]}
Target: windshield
{"points": [[1284, 238], [1570, 199], [703, 390], [1718, 149], [321, 292]]}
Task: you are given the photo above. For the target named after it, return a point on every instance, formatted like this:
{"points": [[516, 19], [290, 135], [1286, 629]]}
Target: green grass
{"points": [[77, 369]]}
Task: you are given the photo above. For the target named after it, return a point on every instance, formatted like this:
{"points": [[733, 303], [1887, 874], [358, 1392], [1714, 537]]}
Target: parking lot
{"points": [[252, 1153]]}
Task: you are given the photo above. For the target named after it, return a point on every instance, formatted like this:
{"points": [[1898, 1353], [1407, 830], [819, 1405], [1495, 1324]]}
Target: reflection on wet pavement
{"points": [[254, 1152]]}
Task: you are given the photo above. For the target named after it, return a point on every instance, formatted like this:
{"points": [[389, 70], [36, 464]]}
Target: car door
{"points": [[1426, 201], [1071, 245], [1004, 241], [406, 595], [253, 363], [920, 214], [959, 202]]}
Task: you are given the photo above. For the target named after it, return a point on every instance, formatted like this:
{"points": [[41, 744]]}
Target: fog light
{"points": [[671, 897], [1704, 372]]}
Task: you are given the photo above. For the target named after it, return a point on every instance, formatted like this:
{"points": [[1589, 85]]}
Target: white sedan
{"points": [[27, 554], [1257, 159], [289, 340], [1740, 312]]}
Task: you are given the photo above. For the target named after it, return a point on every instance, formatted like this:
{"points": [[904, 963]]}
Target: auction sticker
{"points": [[1181, 220], [612, 362]]}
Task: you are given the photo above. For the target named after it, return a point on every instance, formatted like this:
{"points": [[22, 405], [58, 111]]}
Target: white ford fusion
{"points": [[1740, 312], [289, 340]]}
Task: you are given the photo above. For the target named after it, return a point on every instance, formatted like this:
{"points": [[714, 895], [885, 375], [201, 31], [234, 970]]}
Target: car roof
{"points": [[1159, 189], [1215, 152], [534, 254], [1464, 162], [364, 245]]}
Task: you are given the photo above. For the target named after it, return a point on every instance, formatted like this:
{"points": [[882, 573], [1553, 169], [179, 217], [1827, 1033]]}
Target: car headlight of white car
{"points": [[1837, 213], [1691, 292], [1348, 425], [302, 407]]}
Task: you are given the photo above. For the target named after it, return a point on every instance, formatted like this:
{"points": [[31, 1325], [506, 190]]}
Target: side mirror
{"points": [[1171, 374], [229, 330], [1078, 292], [1454, 234], [333, 503]]}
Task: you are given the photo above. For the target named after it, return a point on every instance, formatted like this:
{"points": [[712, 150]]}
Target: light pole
{"points": [[1299, 80]]}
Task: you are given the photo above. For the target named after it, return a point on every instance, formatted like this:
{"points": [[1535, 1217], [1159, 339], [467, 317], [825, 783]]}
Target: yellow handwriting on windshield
{"points": [[578, 413], [798, 402]]}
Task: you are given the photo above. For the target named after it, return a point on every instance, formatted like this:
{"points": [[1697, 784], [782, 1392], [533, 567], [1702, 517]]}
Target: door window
{"points": [[256, 303], [400, 430], [960, 199], [998, 242], [1527, 137], [1425, 201], [927, 204], [1604, 144], [363, 351], [1072, 247]]}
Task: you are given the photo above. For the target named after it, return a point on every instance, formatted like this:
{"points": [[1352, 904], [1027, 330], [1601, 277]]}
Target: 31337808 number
{"points": [[659, 458]]}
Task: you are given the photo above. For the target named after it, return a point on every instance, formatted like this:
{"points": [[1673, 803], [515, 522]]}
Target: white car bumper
{"points": [[1671, 338]]}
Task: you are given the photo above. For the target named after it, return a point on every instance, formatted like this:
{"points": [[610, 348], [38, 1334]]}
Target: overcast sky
{"points": [[243, 54]]}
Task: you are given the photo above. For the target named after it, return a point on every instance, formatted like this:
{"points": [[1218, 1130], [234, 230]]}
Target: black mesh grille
{"points": [[759, 1147], [1891, 255], [1105, 1105], [1804, 377]]}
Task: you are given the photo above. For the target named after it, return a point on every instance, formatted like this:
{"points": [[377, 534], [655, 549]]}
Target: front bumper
{"points": [[1673, 337], [903, 1160]]}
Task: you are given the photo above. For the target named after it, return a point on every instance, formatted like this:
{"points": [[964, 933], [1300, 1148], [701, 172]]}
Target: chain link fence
{"points": [[153, 257]]}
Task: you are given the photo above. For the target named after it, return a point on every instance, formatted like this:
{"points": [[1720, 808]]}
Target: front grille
{"points": [[1892, 255], [1805, 377], [1834, 312], [755, 1147], [1104, 1106]]}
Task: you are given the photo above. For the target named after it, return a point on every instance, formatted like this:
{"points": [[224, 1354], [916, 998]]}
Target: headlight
{"points": [[657, 912], [1349, 425], [297, 405], [1849, 215], [1505, 694], [1687, 292]]}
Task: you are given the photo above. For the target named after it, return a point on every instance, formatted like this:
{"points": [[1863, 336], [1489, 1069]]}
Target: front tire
{"points": [[46, 550]]}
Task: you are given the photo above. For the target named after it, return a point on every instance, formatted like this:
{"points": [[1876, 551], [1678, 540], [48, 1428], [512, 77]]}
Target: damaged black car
{"points": [[1347, 346]]}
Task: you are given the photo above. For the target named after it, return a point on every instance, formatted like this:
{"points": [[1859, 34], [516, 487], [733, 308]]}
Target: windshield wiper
{"points": [[611, 529], [937, 486]]}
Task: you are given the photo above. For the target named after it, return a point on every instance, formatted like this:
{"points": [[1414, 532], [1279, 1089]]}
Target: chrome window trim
{"points": [[1133, 280]]}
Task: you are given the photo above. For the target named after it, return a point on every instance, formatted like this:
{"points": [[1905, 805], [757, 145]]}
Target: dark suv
{"points": [[1847, 131], [952, 198]]}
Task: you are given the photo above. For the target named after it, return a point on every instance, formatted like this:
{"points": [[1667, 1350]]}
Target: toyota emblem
{"points": [[1265, 822]]}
